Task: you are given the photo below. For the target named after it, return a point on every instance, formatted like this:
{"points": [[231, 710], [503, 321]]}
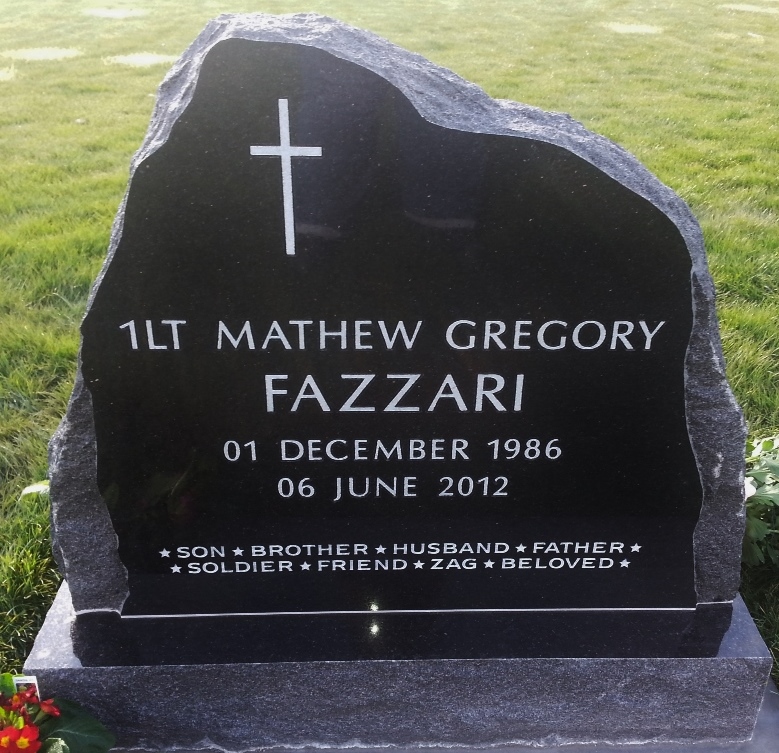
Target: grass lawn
{"points": [[690, 87]]}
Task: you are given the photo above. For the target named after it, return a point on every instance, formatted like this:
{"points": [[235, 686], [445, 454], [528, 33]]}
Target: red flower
{"points": [[8, 738], [16, 702], [23, 697], [48, 707], [24, 740], [28, 739]]}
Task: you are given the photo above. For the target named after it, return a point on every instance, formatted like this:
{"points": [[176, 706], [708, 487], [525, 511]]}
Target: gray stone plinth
{"points": [[442, 703], [762, 741]]}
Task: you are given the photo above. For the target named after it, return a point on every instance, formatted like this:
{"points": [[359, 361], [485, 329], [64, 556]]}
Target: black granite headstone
{"points": [[380, 368], [368, 382]]}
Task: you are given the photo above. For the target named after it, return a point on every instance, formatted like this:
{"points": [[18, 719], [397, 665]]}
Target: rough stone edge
{"points": [[715, 423], [83, 539], [284, 705]]}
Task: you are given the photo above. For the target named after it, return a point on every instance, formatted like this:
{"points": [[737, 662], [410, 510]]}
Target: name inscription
{"points": [[367, 334]]}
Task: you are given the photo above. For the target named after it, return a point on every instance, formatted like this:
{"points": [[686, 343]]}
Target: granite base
{"points": [[410, 704], [762, 741]]}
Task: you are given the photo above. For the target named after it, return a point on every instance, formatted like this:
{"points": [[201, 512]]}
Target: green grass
{"points": [[30, 579], [760, 588], [696, 103]]}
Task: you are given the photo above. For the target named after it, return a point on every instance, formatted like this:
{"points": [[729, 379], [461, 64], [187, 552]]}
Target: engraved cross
{"points": [[286, 152]]}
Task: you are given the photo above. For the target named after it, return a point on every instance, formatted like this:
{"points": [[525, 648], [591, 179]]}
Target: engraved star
{"points": [[381, 549], [164, 553], [419, 564], [635, 548], [488, 563], [237, 551], [175, 569], [521, 548], [305, 566], [624, 563]]}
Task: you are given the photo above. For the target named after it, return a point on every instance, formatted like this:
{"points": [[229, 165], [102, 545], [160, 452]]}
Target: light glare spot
{"points": [[752, 9], [140, 59], [633, 28], [374, 628], [41, 53], [114, 12]]}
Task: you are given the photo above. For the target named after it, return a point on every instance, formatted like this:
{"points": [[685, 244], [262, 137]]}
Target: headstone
{"points": [[379, 368]]}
